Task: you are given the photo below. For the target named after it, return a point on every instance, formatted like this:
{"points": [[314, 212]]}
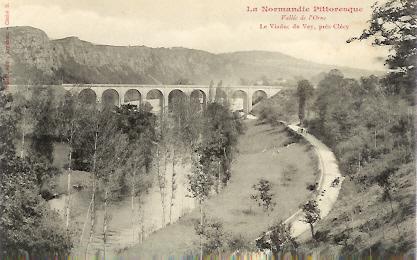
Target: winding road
{"points": [[327, 193]]}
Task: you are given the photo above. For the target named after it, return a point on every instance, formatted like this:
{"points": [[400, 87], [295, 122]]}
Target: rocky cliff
{"points": [[36, 58]]}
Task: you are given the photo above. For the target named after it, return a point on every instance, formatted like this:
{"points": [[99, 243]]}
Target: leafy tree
{"points": [[140, 126], [393, 24], [211, 92], [87, 122], [282, 106], [111, 154], [239, 243], [278, 239], [304, 92], [25, 121], [67, 127], [263, 195], [384, 180], [311, 214], [183, 81], [43, 133], [213, 234], [200, 186], [26, 223], [371, 131], [221, 129], [265, 81], [220, 96], [7, 125]]}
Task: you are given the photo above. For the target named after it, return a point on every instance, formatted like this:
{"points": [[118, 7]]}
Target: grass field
{"points": [[263, 153]]}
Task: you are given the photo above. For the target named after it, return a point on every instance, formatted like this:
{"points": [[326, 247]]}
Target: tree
{"points": [[183, 81], [311, 214], [44, 112], [112, 154], [394, 24], [220, 96], [213, 234], [265, 80], [263, 195], [220, 132], [25, 120], [26, 222], [211, 92], [140, 125], [304, 92], [200, 185], [67, 127], [278, 239], [384, 180]]}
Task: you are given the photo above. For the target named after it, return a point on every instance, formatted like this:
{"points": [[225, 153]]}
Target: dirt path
{"points": [[327, 193]]}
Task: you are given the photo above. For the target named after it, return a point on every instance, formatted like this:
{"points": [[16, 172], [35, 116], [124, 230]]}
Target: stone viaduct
{"points": [[160, 96]]}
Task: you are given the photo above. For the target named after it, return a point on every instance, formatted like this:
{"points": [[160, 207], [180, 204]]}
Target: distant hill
{"points": [[36, 58]]}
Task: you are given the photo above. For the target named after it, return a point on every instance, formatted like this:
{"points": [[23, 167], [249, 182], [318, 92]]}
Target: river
{"points": [[126, 227]]}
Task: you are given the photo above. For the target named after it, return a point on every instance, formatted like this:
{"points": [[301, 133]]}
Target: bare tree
{"points": [[173, 184], [200, 185]]}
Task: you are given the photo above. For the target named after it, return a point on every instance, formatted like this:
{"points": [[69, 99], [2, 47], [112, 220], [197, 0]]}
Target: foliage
{"points": [[268, 115], [279, 239], [372, 135], [393, 23], [183, 81], [239, 243], [26, 223], [42, 137], [304, 92], [311, 214], [86, 118], [221, 129], [139, 125], [200, 183], [263, 195], [214, 237], [367, 125], [112, 154], [280, 107]]}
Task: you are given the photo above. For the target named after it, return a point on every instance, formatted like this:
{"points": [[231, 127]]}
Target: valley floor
{"points": [[264, 152]]}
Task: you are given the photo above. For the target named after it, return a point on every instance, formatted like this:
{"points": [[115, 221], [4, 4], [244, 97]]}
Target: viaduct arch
{"points": [[162, 97]]}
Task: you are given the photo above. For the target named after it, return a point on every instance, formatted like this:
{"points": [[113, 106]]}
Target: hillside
{"points": [[37, 58], [264, 152], [372, 136]]}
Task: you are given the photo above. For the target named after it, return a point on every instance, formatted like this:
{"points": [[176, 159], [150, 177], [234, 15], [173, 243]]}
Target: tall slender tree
{"points": [[304, 92]]}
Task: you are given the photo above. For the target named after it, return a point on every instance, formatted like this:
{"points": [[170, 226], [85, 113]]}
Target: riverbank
{"points": [[129, 223]]}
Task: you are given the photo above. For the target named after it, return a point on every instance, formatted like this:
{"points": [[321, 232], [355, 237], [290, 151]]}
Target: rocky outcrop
{"points": [[36, 58]]}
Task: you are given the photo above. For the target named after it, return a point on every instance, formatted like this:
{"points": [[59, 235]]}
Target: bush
{"points": [[279, 239]]}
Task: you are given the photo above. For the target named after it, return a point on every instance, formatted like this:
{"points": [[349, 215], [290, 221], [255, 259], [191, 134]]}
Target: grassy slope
{"points": [[233, 206], [367, 220]]}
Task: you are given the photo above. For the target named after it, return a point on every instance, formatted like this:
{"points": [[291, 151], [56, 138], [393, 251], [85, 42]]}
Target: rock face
{"points": [[34, 58]]}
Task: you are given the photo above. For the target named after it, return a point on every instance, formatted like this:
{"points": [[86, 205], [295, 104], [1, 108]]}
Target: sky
{"points": [[212, 25]]}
